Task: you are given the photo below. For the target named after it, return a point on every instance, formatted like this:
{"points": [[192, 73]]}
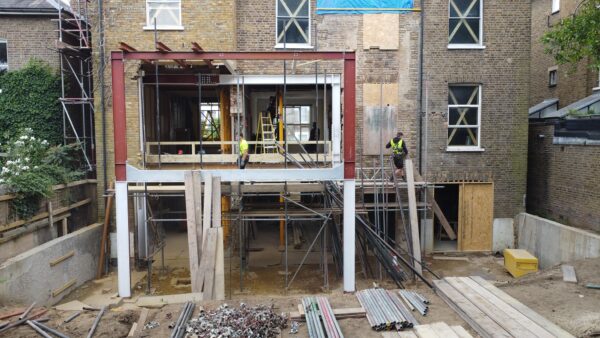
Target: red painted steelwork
{"points": [[119, 117], [349, 116], [141, 55], [118, 88]]}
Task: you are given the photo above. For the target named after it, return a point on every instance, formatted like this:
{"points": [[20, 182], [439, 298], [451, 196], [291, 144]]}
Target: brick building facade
{"points": [[492, 154], [27, 31]]}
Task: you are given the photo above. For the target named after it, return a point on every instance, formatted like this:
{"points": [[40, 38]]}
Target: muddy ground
{"points": [[572, 306]]}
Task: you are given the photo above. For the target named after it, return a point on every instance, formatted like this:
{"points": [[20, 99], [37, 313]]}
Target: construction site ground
{"points": [[572, 306]]}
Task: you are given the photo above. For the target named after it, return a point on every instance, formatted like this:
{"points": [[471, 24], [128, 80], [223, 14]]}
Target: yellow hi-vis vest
{"points": [[396, 147], [243, 147]]}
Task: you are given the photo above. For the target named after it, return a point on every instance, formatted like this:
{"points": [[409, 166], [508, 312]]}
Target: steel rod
{"points": [[96, 321], [37, 329], [24, 314], [49, 329]]}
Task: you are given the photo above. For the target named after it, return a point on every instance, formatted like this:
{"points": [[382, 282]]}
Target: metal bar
{"points": [[49, 329], [96, 321], [24, 314], [37, 329], [71, 317], [280, 55]]}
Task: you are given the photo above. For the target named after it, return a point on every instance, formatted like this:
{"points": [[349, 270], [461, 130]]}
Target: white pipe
{"points": [[349, 235], [122, 217]]}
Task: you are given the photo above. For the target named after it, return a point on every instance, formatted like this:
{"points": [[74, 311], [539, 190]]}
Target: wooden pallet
{"points": [[491, 312]]}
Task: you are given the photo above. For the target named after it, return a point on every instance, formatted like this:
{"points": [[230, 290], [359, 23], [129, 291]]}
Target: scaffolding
{"points": [[76, 73]]}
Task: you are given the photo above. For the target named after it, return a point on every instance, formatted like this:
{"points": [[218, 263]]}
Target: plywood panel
{"points": [[380, 110], [381, 31], [475, 216]]}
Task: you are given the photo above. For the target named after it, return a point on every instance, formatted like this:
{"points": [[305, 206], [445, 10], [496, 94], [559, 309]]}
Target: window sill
{"points": [[457, 46], [164, 28], [294, 46], [465, 149]]}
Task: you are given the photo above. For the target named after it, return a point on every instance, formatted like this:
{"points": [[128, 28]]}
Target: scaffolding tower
{"points": [[75, 52]]}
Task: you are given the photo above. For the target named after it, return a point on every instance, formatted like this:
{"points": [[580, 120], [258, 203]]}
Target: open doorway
{"points": [[447, 197]]}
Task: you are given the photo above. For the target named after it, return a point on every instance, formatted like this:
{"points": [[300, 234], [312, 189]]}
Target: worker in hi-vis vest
{"points": [[244, 156], [399, 151]]}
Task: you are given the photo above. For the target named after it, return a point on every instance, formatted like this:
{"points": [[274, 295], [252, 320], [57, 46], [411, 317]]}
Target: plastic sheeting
{"points": [[363, 6]]}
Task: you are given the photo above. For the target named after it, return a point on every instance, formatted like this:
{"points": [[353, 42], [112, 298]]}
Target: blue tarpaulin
{"points": [[363, 6]]}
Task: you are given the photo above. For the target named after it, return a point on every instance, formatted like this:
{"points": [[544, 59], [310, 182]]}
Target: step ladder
{"points": [[266, 131]]}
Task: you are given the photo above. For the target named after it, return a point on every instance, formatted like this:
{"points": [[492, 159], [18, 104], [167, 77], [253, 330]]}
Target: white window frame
{"points": [[307, 45], [300, 125], [555, 6], [479, 45], [150, 25], [478, 147], [4, 67]]}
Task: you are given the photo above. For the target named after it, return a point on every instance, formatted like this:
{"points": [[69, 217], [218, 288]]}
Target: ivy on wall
{"points": [[29, 99]]}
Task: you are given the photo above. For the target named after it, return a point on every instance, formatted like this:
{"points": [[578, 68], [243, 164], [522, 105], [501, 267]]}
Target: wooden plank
{"points": [[355, 312], [216, 201], [206, 272], [475, 217], [62, 258], [450, 258], [437, 211], [461, 332], [534, 316], [207, 206], [64, 287], [569, 275], [412, 211], [407, 334], [140, 323], [193, 207], [42, 215], [219, 286], [443, 330], [516, 316], [500, 317], [481, 323], [425, 331], [104, 238]]}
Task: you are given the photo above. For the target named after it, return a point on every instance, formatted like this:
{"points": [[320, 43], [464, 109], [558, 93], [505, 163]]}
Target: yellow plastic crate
{"points": [[519, 262]]}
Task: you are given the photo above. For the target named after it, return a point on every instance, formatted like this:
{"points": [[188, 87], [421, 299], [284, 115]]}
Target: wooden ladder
{"points": [[267, 133]]}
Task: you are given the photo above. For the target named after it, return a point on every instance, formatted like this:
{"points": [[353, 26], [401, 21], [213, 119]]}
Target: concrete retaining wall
{"points": [[29, 277], [552, 242]]}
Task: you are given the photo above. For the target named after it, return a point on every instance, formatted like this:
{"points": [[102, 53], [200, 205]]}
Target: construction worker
{"points": [[244, 156], [399, 151]]}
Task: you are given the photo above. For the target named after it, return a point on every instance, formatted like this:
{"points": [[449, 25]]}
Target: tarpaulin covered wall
{"points": [[363, 6]]}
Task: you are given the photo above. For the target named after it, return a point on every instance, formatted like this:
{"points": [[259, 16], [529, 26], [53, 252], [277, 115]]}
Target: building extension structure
{"points": [[317, 88], [564, 127]]}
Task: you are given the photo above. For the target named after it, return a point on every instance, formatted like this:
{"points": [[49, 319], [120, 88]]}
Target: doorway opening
{"points": [[447, 198]]}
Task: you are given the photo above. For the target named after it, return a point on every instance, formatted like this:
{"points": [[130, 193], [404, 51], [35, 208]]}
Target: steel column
{"points": [[349, 115], [122, 218], [119, 119], [349, 235]]}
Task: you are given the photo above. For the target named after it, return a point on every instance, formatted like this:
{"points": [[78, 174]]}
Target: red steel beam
{"points": [[127, 48], [164, 49], [119, 118], [196, 48], [349, 116], [149, 55]]}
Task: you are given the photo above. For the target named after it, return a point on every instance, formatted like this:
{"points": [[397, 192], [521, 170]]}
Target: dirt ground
{"points": [[572, 306]]}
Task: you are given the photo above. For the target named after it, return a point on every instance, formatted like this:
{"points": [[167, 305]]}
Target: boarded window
{"points": [[465, 22], [293, 22], [464, 108]]}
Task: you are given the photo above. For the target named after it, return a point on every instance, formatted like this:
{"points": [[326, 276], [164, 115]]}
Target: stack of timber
{"points": [[434, 330], [491, 312], [205, 235]]}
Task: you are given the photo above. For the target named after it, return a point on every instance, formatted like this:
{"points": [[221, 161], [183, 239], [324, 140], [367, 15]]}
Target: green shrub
{"points": [[31, 167], [29, 99]]}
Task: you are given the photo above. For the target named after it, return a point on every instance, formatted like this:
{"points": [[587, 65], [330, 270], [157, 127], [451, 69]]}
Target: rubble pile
{"points": [[253, 322]]}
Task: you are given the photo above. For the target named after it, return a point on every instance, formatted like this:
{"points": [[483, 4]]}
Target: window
{"points": [[555, 6], [464, 112], [298, 123], [293, 23], [465, 23], [3, 55], [552, 77], [167, 14]]}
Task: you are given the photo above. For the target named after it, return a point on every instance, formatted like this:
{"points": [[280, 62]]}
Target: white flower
{"points": [[24, 137], [32, 138], [19, 143], [44, 142], [1, 181], [29, 130], [5, 170], [35, 167], [26, 159], [25, 167]]}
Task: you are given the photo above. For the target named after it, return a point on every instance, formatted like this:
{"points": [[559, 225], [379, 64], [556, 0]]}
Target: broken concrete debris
{"points": [[245, 321]]}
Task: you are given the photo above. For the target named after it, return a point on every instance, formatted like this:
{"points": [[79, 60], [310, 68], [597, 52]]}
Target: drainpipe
{"points": [[421, 58], [101, 83]]}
